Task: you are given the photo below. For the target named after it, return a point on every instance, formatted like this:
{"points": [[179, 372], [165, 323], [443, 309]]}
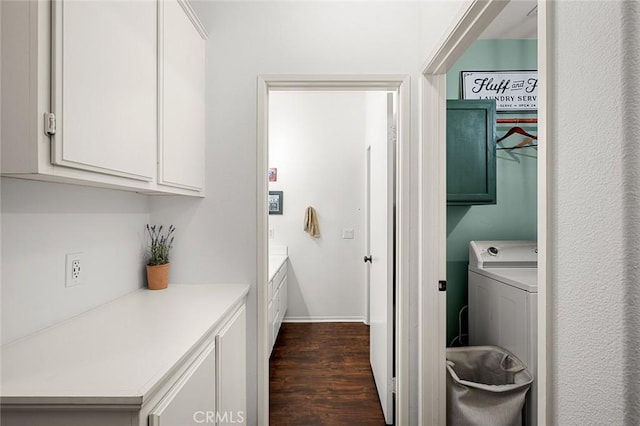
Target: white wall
{"points": [[631, 197], [594, 162], [41, 223], [217, 234], [317, 141]]}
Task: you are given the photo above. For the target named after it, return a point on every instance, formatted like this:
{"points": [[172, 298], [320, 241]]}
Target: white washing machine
{"points": [[503, 303]]}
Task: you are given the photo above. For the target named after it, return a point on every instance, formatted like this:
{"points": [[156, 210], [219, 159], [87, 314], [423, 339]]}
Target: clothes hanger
{"points": [[518, 130], [526, 143]]}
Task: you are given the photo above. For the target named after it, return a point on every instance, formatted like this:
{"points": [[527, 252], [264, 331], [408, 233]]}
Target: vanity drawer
{"points": [[280, 275]]}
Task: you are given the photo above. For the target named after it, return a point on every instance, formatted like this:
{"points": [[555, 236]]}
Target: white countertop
{"points": [[275, 262], [117, 352]]}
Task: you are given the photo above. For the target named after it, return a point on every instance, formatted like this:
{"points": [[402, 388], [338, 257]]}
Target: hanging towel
{"points": [[311, 222]]}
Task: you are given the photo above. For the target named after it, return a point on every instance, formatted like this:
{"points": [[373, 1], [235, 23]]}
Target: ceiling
{"points": [[513, 22]]}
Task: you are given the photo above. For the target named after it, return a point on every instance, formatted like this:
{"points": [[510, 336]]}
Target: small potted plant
{"points": [[158, 261]]}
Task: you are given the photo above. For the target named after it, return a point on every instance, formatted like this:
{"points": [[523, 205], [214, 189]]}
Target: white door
{"points": [[381, 265], [367, 240]]}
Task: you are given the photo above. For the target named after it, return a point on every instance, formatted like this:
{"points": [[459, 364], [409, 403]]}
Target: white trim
{"points": [[544, 191], [262, 263], [323, 319], [193, 17], [432, 201], [333, 82], [470, 23], [403, 244], [336, 82]]}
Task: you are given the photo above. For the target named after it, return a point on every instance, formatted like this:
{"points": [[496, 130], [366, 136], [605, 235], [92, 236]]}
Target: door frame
{"points": [[467, 26], [401, 84]]}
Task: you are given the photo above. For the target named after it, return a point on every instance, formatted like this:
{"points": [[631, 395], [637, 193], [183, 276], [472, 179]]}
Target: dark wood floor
{"points": [[320, 375]]}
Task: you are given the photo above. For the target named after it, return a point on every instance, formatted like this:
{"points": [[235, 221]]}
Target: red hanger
{"points": [[518, 130]]}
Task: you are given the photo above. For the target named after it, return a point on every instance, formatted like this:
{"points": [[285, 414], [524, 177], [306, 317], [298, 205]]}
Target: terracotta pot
{"points": [[158, 276]]}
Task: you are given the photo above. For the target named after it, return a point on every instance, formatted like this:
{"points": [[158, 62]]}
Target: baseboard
{"points": [[323, 319]]}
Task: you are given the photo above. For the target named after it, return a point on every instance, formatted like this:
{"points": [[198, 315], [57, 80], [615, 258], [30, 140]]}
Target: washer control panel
{"points": [[503, 254]]}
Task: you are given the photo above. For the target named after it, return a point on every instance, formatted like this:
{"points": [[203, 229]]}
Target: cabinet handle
{"points": [[49, 123], [367, 259]]}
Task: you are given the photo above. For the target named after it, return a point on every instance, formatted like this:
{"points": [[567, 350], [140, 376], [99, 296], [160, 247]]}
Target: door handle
{"points": [[367, 259]]}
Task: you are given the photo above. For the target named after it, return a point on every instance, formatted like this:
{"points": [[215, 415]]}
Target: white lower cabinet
{"points": [[275, 322], [283, 300], [277, 291], [231, 371], [271, 336], [176, 357], [213, 390], [192, 397]]}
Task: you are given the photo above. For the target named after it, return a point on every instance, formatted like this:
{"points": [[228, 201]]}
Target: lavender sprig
{"points": [[160, 244]]}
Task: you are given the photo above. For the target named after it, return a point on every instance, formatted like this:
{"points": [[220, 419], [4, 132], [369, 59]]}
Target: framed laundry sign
{"points": [[514, 91]]}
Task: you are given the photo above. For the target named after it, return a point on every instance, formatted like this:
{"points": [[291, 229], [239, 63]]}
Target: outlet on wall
{"points": [[73, 271]]}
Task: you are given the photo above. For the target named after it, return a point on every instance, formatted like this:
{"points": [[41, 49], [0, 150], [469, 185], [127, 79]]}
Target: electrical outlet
{"points": [[73, 270], [272, 233]]}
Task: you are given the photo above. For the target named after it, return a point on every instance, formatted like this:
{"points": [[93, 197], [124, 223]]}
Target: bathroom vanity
{"points": [[277, 291]]}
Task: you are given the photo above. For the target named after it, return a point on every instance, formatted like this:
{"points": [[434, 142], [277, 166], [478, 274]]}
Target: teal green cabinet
{"points": [[471, 152]]}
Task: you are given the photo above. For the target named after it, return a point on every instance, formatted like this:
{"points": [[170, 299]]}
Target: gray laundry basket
{"points": [[486, 386]]}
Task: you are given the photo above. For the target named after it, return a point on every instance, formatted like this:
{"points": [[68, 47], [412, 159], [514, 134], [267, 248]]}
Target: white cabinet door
{"points": [[283, 298], [182, 97], [105, 86], [274, 320], [270, 327], [231, 370], [192, 400]]}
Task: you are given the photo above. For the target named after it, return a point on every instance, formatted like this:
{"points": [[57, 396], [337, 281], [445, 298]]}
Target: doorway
{"points": [[466, 29], [399, 85]]}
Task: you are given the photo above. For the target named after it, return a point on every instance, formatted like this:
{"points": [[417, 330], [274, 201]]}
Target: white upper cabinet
{"points": [[182, 109], [105, 86], [104, 93]]}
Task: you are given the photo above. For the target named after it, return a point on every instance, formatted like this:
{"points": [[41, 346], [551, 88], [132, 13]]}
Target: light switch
{"points": [[347, 234]]}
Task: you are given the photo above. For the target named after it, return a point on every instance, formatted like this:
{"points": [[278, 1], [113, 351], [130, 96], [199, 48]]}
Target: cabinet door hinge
{"points": [[393, 385], [49, 123], [442, 285]]}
